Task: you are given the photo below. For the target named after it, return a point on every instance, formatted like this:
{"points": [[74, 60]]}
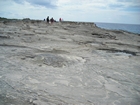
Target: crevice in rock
{"points": [[98, 35], [4, 37], [116, 50], [6, 45]]}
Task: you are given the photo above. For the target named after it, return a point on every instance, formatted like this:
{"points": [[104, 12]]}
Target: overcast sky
{"points": [[112, 11]]}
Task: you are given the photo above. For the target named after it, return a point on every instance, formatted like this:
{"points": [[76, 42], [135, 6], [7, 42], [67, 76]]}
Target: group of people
{"points": [[52, 20]]}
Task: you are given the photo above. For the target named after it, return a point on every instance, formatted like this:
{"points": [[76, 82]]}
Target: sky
{"points": [[108, 11]]}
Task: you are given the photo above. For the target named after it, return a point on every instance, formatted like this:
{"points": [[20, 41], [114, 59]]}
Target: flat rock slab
{"points": [[68, 63]]}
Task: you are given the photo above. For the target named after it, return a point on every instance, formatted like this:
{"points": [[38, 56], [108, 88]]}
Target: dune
{"points": [[67, 63]]}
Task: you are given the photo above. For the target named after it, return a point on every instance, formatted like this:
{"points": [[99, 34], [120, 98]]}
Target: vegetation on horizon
{"points": [[3, 19]]}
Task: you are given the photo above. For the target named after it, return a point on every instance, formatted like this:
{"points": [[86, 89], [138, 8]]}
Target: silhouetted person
{"points": [[60, 20], [52, 20], [48, 19]]}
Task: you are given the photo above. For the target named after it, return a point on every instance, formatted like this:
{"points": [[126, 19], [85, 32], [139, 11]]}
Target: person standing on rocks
{"points": [[47, 19], [60, 20], [52, 20]]}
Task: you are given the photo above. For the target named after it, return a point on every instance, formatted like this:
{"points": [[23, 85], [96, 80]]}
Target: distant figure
{"points": [[60, 20], [47, 19], [52, 20], [44, 19]]}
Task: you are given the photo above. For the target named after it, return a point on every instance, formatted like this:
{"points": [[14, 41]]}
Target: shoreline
{"points": [[119, 26], [72, 22]]}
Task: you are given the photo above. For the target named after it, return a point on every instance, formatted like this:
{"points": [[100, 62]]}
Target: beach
{"points": [[67, 63]]}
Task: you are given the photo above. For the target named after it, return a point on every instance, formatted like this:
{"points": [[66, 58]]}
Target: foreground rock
{"points": [[68, 64]]}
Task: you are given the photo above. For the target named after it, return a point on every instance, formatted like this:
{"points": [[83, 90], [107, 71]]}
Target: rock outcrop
{"points": [[67, 63]]}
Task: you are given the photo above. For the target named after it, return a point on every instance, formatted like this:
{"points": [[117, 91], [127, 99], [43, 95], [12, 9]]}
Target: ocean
{"points": [[134, 28]]}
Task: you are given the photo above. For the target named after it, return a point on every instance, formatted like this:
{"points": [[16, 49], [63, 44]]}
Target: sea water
{"points": [[134, 28]]}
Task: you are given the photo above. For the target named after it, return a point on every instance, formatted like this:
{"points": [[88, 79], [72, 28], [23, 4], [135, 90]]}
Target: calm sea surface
{"points": [[135, 28]]}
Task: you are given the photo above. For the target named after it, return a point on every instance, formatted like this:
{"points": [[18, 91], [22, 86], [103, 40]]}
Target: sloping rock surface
{"points": [[68, 63]]}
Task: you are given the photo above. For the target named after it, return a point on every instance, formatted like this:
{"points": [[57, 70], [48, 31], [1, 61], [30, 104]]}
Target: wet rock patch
{"points": [[57, 60]]}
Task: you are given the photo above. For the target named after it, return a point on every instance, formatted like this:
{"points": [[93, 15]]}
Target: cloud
{"points": [[115, 11], [114, 6], [118, 11], [45, 3], [129, 3], [133, 8]]}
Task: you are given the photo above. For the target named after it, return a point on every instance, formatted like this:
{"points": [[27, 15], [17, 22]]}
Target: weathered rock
{"points": [[67, 63]]}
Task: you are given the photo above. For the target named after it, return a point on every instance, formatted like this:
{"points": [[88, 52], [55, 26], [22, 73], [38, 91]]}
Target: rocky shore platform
{"points": [[68, 63]]}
